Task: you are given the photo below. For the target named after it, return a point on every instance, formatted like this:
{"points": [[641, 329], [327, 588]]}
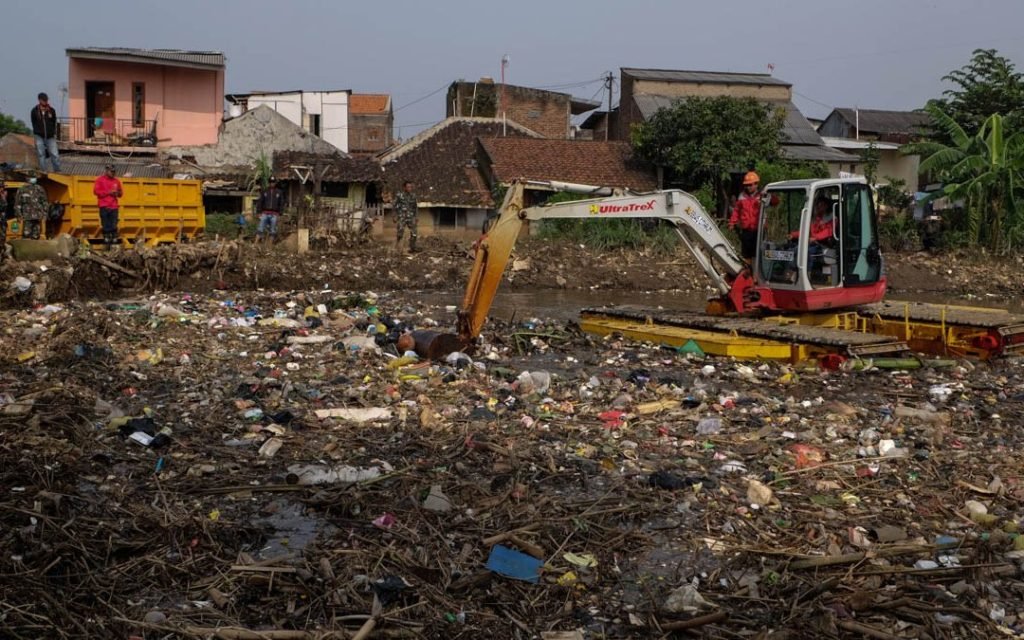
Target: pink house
{"points": [[143, 97]]}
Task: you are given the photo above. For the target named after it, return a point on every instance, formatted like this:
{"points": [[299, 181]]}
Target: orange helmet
{"points": [[751, 178]]}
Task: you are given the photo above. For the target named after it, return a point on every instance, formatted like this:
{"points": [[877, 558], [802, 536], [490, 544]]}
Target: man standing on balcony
{"points": [[107, 189], [44, 129]]}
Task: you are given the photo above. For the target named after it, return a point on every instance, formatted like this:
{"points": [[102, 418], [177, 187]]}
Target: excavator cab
{"points": [[818, 245]]}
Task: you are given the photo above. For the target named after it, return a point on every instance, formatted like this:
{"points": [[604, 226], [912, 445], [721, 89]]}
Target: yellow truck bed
{"points": [[152, 210]]}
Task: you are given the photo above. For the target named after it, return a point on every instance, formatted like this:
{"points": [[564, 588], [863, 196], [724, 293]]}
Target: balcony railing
{"points": [[108, 131]]}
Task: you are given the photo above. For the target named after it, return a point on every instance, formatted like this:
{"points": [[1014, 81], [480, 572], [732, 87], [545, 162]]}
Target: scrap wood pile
{"points": [[270, 466]]}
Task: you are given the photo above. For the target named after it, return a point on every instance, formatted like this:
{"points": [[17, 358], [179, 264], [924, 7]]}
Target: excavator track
{"points": [[945, 329], [752, 338], [879, 329]]}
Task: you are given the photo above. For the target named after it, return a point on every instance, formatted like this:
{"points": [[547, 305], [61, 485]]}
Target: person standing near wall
{"points": [[107, 189], [44, 130], [405, 215], [269, 206]]}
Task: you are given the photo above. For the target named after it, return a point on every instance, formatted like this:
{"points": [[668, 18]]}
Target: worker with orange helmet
{"points": [[745, 215]]}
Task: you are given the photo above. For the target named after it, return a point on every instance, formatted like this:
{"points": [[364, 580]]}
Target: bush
{"points": [[225, 225], [606, 235], [898, 232], [895, 195]]}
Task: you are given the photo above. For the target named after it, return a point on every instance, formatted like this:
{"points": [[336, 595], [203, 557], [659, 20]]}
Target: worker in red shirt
{"points": [[107, 189], [819, 239], [745, 215]]}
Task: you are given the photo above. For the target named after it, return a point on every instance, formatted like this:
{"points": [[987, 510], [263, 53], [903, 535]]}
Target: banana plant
{"points": [[986, 171]]}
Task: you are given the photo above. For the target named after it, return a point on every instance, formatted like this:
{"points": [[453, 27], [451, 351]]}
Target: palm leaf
{"points": [[955, 132]]}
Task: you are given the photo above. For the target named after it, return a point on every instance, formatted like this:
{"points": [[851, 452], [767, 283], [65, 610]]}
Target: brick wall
{"points": [[369, 133], [546, 112]]}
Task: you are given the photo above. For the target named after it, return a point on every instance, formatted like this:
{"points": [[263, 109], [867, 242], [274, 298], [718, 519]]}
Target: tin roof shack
{"points": [[371, 121], [548, 113], [454, 199], [331, 193], [899, 127], [137, 99], [321, 113], [857, 131]]}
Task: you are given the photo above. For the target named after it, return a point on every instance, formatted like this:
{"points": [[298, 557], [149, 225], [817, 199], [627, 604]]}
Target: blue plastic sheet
{"points": [[513, 564]]}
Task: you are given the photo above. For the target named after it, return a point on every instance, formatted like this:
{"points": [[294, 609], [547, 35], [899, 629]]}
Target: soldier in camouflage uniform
{"points": [[405, 215], [3, 220], [31, 208]]}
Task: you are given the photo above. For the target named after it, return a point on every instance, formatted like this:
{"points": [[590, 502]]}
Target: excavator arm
{"points": [[699, 234]]}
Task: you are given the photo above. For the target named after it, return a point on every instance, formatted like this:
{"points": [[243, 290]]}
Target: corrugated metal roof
{"points": [[705, 77], [94, 165], [880, 121], [172, 57], [816, 153], [848, 143]]}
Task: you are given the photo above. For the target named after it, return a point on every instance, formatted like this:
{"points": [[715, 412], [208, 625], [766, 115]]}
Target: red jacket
{"points": [[107, 191], [821, 229], [746, 212]]}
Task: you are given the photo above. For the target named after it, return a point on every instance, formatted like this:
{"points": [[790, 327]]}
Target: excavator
{"points": [[814, 289]]}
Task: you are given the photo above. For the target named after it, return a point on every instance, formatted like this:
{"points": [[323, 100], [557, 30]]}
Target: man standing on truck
{"points": [[269, 205], [31, 208], [746, 214], [405, 215], [108, 190], [44, 130]]}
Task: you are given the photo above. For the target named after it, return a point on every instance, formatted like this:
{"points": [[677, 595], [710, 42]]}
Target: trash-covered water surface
{"points": [[271, 464]]}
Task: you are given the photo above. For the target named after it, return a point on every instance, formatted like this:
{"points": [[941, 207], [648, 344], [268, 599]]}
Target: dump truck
{"points": [[153, 211]]}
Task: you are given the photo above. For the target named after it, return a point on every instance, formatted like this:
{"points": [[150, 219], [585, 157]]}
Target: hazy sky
{"points": [[887, 54]]}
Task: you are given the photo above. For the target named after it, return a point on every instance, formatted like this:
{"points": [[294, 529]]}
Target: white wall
{"points": [[288, 105], [331, 106]]}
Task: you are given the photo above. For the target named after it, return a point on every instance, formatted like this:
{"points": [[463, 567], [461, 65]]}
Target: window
{"points": [[138, 104], [778, 259], [314, 124], [450, 218]]}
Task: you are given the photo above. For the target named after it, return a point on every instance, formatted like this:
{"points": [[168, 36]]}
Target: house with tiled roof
{"points": [[371, 121], [442, 163], [603, 164]]}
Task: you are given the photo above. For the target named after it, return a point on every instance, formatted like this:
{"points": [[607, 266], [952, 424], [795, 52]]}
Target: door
{"points": [[99, 107], [824, 238], [861, 257]]}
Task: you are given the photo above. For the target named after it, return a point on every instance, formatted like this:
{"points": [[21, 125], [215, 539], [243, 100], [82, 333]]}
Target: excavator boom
{"points": [[695, 227]]}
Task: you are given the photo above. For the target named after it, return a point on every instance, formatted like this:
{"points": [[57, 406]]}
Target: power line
{"points": [[817, 102], [432, 93]]}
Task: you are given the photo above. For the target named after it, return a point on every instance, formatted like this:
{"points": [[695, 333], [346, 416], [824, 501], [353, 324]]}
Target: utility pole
{"points": [[608, 118]]}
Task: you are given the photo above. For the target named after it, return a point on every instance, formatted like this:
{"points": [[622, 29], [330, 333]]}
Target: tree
{"points": [[870, 157], [986, 85], [701, 140], [10, 124], [986, 171]]}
